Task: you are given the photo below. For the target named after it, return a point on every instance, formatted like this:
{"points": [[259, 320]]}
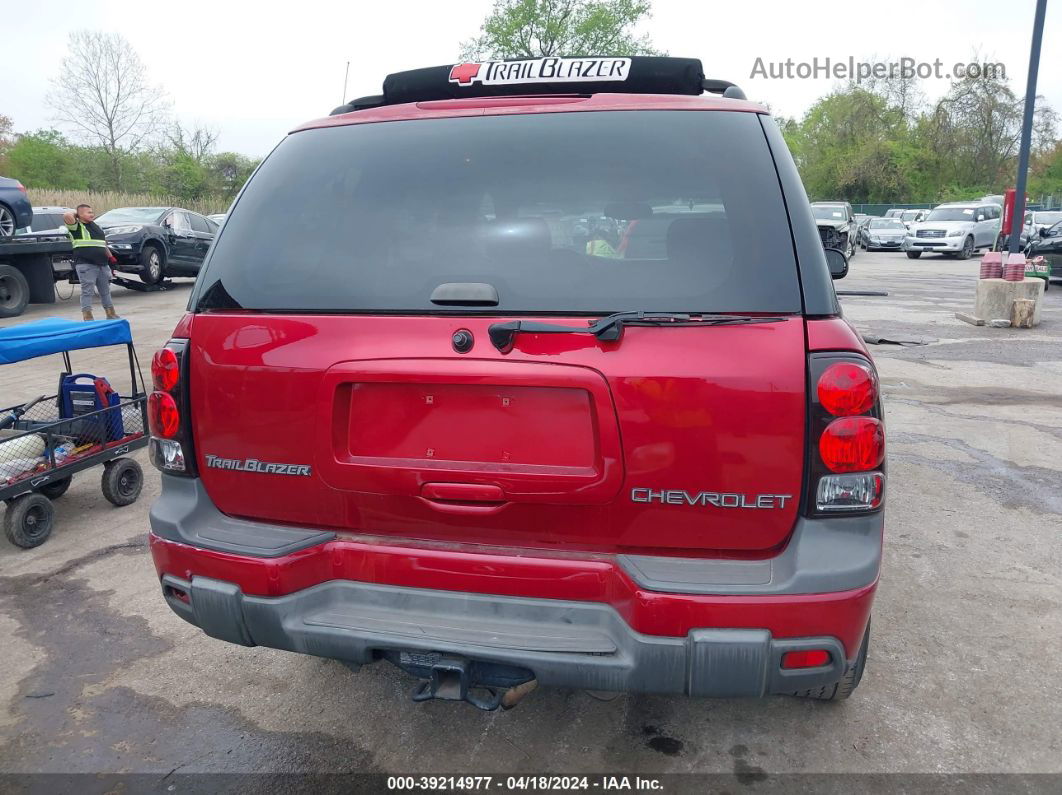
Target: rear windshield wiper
{"points": [[610, 327]]}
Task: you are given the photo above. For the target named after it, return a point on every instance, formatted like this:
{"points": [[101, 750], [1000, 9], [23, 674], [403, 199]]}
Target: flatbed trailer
{"points": [[27, 272]]}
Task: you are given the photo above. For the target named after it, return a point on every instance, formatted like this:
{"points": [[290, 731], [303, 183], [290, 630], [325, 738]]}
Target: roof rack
{"points": [[550, 75]]}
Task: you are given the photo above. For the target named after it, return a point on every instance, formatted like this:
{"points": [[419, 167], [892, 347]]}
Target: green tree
{"points": [[185, 177], [228, 172], [45, 159], [1045, 175], [534, 28], [7, 140], [847, 147]]}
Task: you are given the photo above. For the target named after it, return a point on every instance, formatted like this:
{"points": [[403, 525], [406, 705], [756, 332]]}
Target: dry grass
{"points": [[102, 201]]}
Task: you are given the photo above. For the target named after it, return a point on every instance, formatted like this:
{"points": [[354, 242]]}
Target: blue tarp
{"points": [[55, 335]]}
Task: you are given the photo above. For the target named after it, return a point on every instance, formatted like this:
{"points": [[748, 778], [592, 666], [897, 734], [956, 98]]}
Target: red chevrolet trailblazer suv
{"points": [[527, 371]]}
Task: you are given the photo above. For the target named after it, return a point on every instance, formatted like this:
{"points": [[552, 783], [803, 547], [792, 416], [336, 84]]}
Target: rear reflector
{"points": [[847, 388], [805, 659], [857, 492], [163, 417], [852, 444]]}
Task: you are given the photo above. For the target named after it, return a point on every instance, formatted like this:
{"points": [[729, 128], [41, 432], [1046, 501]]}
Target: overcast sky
{"points": [[255, 71]]}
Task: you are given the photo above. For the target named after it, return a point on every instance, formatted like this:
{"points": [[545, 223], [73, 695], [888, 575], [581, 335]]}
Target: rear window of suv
{"points": [[560, 212]]}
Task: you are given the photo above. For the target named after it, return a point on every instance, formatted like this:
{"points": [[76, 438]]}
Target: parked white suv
{"points": [[956, 230]]}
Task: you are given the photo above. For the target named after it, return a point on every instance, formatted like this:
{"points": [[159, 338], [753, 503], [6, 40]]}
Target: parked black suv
{"points": [[154, 242]]}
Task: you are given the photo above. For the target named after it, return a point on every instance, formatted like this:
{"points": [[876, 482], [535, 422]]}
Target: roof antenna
{"points": [[346, 74]]}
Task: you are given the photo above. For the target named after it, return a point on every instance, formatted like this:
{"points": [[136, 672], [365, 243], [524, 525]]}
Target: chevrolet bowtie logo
{"points": [[464, 73]]}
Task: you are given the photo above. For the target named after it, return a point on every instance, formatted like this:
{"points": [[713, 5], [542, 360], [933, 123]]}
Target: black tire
{"points": [[14, 291], [849, 682], [122, 481], [28, 521], [8, 224], [967, 248], [55, 489], [914, 254], [152, 264]]}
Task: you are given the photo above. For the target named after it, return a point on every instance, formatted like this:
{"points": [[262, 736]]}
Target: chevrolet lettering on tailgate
{"points": [[718, 499]]}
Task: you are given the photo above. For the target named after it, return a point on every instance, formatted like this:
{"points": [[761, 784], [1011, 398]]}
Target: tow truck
{"points": [[30, 265]]}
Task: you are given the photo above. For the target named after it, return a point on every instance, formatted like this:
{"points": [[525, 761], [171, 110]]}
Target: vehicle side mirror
{"points": [[837, 262], [1043, 231]]}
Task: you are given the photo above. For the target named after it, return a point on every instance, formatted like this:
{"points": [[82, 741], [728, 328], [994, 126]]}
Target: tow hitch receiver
{"points": [[451, 680]]}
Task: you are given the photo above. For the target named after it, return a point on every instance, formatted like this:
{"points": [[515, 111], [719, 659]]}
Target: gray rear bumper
{"points": [[565, 644]]}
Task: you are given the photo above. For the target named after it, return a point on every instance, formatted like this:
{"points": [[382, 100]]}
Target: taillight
{"points": [[165, 370], [163, 417], [846, 442], [852, 444], [847, 388], [20, 186], [168, 418]]}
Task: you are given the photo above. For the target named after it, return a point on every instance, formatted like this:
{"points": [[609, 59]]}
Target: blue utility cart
{"points": [[45, 441]]}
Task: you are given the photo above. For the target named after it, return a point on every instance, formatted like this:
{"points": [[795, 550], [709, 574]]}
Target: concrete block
{"points": [[996, 297], [967, 318], [999, 322]]}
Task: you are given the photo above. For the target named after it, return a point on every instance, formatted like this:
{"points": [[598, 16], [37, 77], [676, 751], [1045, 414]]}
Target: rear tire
{"points": [[55, 489], [849, 682], [152, 265], [122, 481], [7, 222], [28, 521], [914, 254], [14, 291]]}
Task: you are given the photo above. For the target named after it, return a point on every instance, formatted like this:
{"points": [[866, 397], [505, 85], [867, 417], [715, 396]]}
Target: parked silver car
{"points": [[883, 233], [956, 229]]}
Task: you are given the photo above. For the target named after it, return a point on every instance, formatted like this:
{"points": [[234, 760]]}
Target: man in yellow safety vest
{"points": [[91, 260]]}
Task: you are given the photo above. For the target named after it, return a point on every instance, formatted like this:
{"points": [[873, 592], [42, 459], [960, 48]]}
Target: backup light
{"points": [[862, 491], [167, 455]]}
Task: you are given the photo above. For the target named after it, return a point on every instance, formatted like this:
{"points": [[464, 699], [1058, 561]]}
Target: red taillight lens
{"points": [[163, 417], [165, 370], [846, 388], [21, 187], [805, 659], [852, 444]]}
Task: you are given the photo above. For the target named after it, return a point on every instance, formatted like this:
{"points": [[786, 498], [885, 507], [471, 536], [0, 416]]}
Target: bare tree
{"points": [[198, 142], [902, 91], [104, 94]]}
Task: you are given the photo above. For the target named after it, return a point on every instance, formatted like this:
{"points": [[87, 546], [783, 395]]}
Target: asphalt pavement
{"points": [[965, 665]]}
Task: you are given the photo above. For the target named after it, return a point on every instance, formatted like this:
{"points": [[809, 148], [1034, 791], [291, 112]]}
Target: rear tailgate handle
{"points": [[466, 498], [462, 492]]}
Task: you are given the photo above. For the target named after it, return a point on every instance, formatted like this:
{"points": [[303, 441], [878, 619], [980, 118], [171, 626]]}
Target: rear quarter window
{"points": [[562, 213]]}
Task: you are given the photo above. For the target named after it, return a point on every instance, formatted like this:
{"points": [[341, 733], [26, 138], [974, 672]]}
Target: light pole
{"points": [[1026, 128]]}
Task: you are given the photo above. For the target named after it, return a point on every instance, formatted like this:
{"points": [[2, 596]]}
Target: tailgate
{"points": [[671, 439]]}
